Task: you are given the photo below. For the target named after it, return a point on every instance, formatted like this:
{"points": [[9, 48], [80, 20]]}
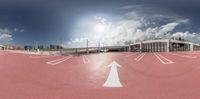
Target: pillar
{"points": [[129, 48], [191, 47], [140, 46], [155, 45], [168, 41]]}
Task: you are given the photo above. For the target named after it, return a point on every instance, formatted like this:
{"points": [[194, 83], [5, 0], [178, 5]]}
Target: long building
{"points": [[163, 45]]}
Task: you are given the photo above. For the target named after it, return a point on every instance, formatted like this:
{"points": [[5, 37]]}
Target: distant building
{"points": [[41, 47], [1, 47], [55, 47], [28, 47], [164, 45], [12, 47]]}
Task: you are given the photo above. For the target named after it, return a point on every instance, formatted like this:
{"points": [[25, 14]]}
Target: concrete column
{"points": [[163, 49], [184, 47], [140, 46], [168, 47], [145, 47], [191, 47], [149, 49], [76, 51], [188, 47], [157, 47], [129, 47]]}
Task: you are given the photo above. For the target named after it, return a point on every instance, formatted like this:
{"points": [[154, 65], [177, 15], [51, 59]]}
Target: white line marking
{"points": [[140, 57], [113, 78], [40, 56], [183, 55], [85, 59], [193, 53], [168, 61], [58, 61], [130, 55]]}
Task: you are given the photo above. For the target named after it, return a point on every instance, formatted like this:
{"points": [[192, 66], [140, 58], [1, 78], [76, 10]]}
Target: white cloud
{"points": [[18, 30], [22, 30], [127, 7], [195, 37], [5, 35], [78, 40], [132, 26], [168, 27], [15, 29]]}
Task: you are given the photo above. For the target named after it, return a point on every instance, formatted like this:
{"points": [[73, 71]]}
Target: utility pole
{"points": [[99, 46], [103, 47], [61, 45], [36, 46], [87, 46]]}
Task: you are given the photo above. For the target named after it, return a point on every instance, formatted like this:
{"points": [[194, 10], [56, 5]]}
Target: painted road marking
{"points": [[40, 56], [140, 57], [130, 55], [58, 61], [113, 78], [192, 53], [85, 59], [163, 59], [185, 56]]}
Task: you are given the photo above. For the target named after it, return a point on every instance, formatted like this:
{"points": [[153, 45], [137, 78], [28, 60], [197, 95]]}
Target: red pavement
{"points": [[25, 76]]}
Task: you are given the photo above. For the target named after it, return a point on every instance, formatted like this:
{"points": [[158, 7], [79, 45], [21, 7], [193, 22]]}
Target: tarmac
{"points": [[117, 75]]}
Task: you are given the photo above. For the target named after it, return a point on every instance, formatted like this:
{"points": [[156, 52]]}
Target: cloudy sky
{"points": [[110, 22]]}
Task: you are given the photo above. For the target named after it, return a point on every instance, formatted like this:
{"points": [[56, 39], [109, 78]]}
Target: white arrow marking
{"points": [[113, 78], [85, 59]]}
